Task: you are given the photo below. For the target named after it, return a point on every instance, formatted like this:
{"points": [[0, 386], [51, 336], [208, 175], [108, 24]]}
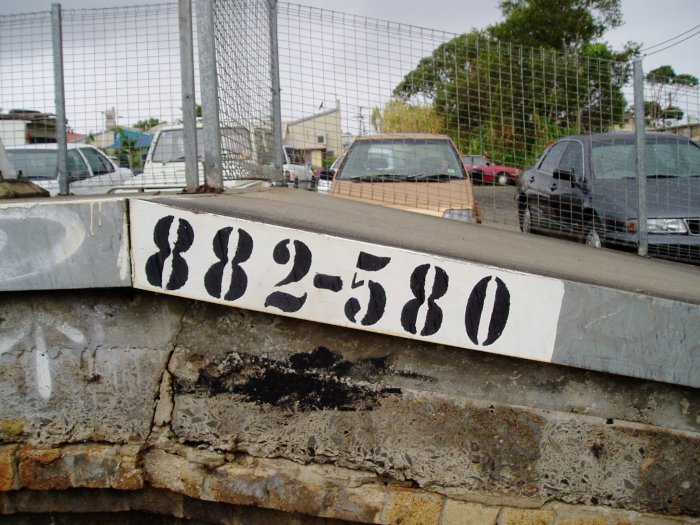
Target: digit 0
{"points": [[474, 314]]}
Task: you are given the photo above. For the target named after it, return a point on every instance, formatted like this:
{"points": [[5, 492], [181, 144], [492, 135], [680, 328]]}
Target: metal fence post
{"points": [[211, 131], [60, 98], [189, 121], [276, 91], [642, 232]]}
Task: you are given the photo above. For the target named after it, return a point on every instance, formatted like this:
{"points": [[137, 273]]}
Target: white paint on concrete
{"points": [[71, 333], [92, 216], [7, 343], [68, 234], [124, 256], [290, 272], [43, 370]]}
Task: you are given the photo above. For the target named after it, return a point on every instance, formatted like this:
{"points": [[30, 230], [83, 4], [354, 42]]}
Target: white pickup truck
{"points": [[164, 168], [242, 158], [296, 171]]}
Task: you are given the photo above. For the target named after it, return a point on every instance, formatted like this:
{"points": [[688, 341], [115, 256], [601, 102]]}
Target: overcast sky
{"points": [[646, 21]]}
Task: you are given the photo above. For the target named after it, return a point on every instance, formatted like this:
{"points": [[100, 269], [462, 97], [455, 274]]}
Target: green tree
{"points": [[515, 99], [504, 99], [145, 125], [400, 117], [564, 25], [128, 149]]}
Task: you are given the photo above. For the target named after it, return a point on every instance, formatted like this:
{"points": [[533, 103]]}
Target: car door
{"points": [[102, 173], [538, 187], [566, 190]]}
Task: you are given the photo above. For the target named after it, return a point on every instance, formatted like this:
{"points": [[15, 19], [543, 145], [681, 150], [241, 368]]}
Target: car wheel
{"points": [[592, 238], [501, 179]]}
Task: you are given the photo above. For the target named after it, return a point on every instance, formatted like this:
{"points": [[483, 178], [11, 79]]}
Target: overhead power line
{"points": [[672, 39], [674, 44]]}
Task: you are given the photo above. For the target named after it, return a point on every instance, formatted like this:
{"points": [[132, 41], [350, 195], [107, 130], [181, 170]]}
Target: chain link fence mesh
{"points": [[244, 63], [26, 83], [345, 76]]}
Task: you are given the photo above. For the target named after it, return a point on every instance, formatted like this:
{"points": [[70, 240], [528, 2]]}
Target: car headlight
{"points": [[666, 226], [459, 215]]}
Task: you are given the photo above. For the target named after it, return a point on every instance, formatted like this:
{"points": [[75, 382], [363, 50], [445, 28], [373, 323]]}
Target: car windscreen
{"points": [[616, 159], [170, 147], [42, 164], [294, 156], [399, 158]]}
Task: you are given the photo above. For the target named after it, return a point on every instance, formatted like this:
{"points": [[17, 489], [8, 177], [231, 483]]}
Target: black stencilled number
{"points": [[433, 318], [475, 311], [213, 279], [155, 265], [377, 296], [286, 302]]}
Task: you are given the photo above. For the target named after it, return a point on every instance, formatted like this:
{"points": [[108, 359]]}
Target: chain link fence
{"points": [[244, 62], [314, 81]]}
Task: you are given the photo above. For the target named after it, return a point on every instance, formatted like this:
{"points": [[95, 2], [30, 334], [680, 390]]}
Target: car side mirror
{"points": [[564, 174]]}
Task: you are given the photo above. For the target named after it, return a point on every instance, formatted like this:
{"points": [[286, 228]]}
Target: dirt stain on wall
{"points": [[318, 380]]}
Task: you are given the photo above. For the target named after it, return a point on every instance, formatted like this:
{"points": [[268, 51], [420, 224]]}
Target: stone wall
{"points": [[148, 398]]}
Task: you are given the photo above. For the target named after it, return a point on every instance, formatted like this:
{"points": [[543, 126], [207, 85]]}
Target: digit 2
{"points": [[302, 264]]}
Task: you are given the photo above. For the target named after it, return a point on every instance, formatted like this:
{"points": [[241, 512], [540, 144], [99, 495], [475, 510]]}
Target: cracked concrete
{"points": [[103, 374], [214, 393]]}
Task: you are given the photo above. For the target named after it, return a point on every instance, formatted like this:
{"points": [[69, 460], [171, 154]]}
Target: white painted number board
{"points": [[343, 282]]}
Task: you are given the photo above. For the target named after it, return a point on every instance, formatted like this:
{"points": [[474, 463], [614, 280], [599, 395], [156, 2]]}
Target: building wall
{"points": [[304, 135]]}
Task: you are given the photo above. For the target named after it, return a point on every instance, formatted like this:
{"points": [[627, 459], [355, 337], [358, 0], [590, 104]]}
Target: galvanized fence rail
{"points": [[313, 81]]}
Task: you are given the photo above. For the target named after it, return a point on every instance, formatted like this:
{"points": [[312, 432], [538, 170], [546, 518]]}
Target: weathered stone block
{"points": [[590, 519], [411, 507], [87, 465], [173, 472], [42, 469], [8, 467], [510, 516], [462, 513]]}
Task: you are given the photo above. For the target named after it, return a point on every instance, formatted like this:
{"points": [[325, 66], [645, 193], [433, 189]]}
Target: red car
{"points": [[484, 170]]}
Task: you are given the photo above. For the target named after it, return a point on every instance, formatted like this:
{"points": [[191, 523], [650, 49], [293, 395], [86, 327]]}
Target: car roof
{"points": [[47, 145], [402, 136], [623, 135]]}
